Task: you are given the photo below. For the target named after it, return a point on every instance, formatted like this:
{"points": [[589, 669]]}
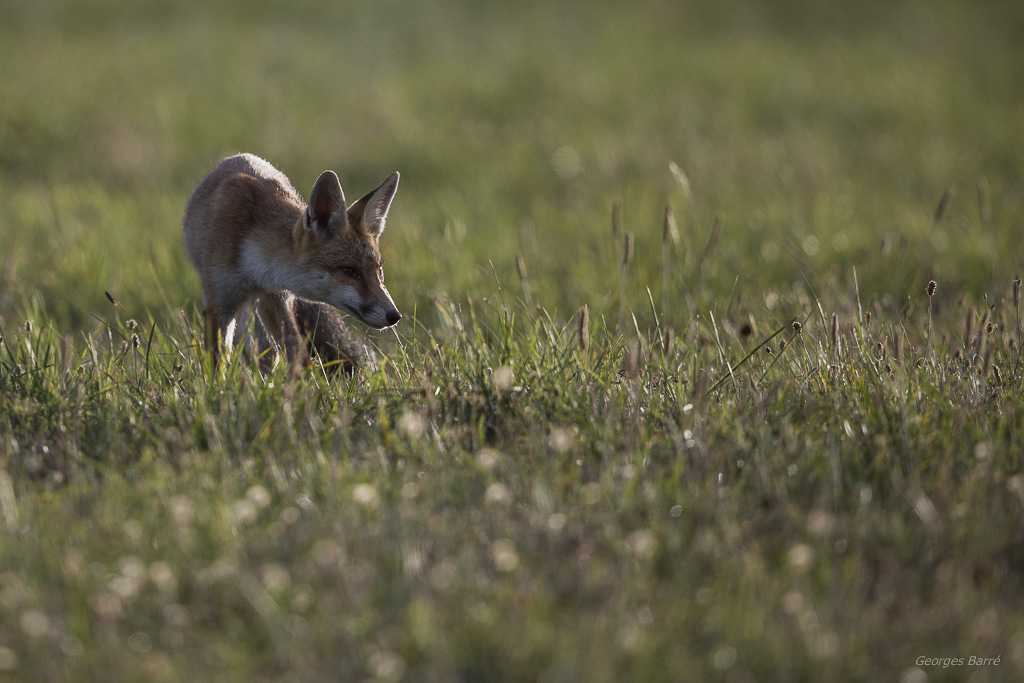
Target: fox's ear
{"points": [[326, 202], [370, 212]]}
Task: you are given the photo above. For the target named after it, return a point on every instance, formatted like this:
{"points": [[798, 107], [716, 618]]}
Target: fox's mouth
{"points": [[373, 317]]}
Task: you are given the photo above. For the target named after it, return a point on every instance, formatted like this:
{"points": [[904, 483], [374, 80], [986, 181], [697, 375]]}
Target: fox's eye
{"points": [[352, 273]]}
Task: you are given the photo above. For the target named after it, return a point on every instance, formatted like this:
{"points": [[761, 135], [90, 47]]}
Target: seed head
{"points": [[136, 342], [668, 343], [633, 361], [1016, 291], [716, 231], [669, 230], [940, 210], [930, 289], [969, 322], [28, 325], [111, 299], [583, 328], [797, 326], [981, 340], [131, 324], [684, 182], [627, 253], [984, 205]]}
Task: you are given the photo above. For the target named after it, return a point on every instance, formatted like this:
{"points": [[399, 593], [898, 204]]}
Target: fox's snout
{"points": [[376, 315]]}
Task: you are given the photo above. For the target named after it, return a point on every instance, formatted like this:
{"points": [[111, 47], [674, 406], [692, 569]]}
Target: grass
{"points": [[703, 490]]}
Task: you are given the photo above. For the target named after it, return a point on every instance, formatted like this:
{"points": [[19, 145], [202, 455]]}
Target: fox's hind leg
{"points": [[327, 336]]}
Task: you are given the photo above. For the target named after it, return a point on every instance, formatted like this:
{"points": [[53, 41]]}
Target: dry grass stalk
{"points": [[987, 365], [684, 182], [984, 204], [668, 344], [669, 229], [583, 328], [521, 269], [1016, 305], [716, 230], [627, 258], [981, 339], [632, 362], [669, 236], [930, 291], [834, 333], [972, 316], [940, 210]]}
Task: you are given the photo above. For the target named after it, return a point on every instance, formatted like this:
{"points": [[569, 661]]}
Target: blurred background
{"points": [[823, 133]]}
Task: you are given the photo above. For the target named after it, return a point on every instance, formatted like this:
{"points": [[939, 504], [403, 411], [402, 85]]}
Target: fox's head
{"points": [[345, 250]]}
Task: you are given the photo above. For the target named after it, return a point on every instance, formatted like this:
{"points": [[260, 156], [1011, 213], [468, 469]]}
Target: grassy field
{"points": [[681, 484]]}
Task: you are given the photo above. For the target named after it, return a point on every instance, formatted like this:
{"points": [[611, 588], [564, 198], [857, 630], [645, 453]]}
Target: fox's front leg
{"points": [[225, 319], [278, 320], [210, 333], [217, 333]]}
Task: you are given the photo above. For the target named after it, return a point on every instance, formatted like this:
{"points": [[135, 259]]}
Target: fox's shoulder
{"points": [[254, 167], [250, 164], [249, 180]]}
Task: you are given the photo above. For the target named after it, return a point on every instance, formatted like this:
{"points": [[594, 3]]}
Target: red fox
{"points": [[254, 241]]}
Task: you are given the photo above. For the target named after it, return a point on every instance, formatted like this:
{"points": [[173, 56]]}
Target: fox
{"points": [[256, 244]]}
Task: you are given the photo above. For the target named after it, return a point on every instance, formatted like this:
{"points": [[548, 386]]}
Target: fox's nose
{"points": [[393, 316]]}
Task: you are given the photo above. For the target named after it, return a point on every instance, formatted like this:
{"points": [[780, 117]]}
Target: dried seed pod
{"points": [[583, 328]]}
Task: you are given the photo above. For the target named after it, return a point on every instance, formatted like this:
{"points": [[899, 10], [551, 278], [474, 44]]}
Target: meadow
{"points": [[711, 364]]}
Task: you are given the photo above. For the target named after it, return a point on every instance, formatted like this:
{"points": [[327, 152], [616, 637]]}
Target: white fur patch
{"points": [[270, 274], [229, 333]]}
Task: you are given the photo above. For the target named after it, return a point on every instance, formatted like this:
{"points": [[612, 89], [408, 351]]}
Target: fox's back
{"points": [[242, 194]]}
